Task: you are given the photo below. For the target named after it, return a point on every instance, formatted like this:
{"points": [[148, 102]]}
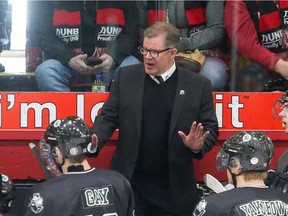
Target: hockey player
{"points": [[279, 179], [7, 194], [246, 156], [81, 189], [280, 110]]}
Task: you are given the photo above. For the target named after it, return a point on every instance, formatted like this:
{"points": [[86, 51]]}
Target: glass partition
{"points": [[243, 74]]}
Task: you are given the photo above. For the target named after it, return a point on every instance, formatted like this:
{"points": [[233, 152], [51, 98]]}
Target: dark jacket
{"points": [[123, 110]]}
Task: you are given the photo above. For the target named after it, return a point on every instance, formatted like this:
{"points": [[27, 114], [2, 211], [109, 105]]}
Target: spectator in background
{"points": [[166, 119], [246, 157], [71, 31], [258, 31], [201, 26], [81, 189], [5, 27], [7, 194]]}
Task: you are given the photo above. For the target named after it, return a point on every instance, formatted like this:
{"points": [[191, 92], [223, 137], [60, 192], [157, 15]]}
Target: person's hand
{"points": [[92, 147], [195, 139], [106, 64], [278, 181], [282, 68], [78, 63]]}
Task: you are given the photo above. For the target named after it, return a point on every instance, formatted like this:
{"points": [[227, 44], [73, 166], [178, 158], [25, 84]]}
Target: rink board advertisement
{"points": [[26, 111], [25, 115]]}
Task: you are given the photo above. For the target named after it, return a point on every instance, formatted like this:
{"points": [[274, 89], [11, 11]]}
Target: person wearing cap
{"points": [[246, 157], [78, 189]]}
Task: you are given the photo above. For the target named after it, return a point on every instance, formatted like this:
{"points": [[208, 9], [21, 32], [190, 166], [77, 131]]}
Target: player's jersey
{"points": [[95, 192], [244, 201]]}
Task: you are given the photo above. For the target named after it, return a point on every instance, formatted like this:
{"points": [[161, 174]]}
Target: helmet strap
{"points": [[59, 166], [233, 175], [63, 162]]}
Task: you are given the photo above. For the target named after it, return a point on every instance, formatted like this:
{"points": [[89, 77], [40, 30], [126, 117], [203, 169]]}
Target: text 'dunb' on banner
{"points": [[32, 111]]}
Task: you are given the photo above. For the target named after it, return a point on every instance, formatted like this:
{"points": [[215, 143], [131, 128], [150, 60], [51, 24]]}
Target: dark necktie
{"points": [[160, 79]]}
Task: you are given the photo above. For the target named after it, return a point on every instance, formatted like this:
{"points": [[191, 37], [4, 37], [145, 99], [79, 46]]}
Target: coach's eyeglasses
{"points": [[153, 53]]}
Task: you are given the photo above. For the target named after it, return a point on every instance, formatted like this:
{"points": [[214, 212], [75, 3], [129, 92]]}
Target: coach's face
{"points": [[158, 58]]}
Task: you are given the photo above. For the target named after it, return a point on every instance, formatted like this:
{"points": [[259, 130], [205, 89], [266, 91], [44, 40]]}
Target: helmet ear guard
{"points": [[54, 152], [48, 156], [234, 163]]}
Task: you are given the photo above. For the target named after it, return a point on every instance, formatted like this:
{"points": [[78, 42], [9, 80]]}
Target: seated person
{"points": [[258, 31], [201, 26], [7, 194], [246, 157], [81, 189], [75, 30]]}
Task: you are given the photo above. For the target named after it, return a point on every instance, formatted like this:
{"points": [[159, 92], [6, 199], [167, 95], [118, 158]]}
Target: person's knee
{"points": [[39, 70], [51, 75], [45, 68]]}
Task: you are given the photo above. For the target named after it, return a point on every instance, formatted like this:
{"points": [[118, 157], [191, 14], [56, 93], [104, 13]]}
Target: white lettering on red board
{"points": [[234, 106]]}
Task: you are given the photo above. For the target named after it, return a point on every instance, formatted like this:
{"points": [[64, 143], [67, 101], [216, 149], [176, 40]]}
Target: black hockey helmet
{"points": [[279, 105], [71, 135], [8, 192], [253, 149]]}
